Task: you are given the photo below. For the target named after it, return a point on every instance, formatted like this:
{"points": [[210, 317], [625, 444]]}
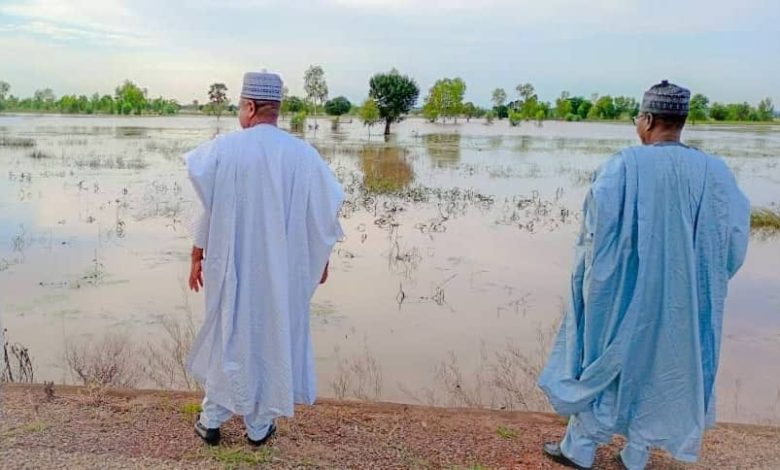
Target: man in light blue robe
{"points": [[664, 229], [269, 220]]}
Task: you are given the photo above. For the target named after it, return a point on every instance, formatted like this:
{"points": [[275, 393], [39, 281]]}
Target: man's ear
{"points": [[650, 118]]}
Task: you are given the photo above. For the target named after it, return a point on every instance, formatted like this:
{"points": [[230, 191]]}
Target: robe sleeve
{"points": [[202, 169], [323, 227], [739, 228], [199, 228]]}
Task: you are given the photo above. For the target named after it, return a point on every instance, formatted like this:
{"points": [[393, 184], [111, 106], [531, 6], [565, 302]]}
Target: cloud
{"points": [[598, 45], [105, 22], [594, 16]]}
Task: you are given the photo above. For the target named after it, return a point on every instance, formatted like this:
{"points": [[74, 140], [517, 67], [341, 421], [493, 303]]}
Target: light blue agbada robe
{"points": [[270, 204], [665, 227]]}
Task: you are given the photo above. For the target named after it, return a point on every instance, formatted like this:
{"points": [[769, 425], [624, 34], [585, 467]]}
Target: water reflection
{"points": [[495, 142], [385, 169], [443, 149], [133, 132]]}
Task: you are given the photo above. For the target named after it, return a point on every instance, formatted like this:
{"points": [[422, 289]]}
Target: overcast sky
{"points": [[727, 50]]}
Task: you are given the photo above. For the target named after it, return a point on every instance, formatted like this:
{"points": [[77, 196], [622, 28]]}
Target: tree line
{"points": [[702, 110], [391, 96], [127, 99], [445, 101]]}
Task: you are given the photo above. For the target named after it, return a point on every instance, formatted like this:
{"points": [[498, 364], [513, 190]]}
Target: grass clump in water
{"points": [[16, 142], [39, 155], [764, 219]]}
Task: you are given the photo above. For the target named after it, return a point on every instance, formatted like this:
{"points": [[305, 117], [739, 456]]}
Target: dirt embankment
{"points": [[91, 428]]}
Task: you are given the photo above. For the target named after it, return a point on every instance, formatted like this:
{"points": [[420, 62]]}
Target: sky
{"points": [[730, 51]]}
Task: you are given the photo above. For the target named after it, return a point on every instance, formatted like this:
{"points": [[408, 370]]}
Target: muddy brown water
{"points": [[455, 264]]}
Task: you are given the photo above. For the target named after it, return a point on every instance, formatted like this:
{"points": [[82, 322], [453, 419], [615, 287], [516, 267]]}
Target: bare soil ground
{"points": [[92, 428]]}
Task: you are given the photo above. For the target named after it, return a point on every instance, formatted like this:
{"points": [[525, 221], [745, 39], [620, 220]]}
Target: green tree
{"points": [[699, 108], [580, 106], [528, 103], [130, 98], [4, 89], [445, 99], [501, 112], [498, 98], [44, 100], [471, 111], [525, 91], [337, 107], [283, 109], [626, 107], [719, 112], [529, 107], [395, 95], [603, 108], [218, 98], [369, 114], [315, 86], [164, 106], [563, 105], [297, 121], [293, 104], [106, 105], [543, 111], [515, 118], [738, 111], [430, 111], [766, 110]]}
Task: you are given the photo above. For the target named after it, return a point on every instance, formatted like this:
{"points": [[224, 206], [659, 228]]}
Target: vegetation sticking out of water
{"points": [[765, 220], [16, 142], [39, 155]]}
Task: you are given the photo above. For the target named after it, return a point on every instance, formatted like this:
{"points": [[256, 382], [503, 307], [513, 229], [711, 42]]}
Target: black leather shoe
{"points": [[209, 436], [258, 443], [620, 462], [553, 452]]}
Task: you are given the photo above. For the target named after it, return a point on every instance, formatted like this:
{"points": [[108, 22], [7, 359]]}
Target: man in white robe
{"points": [[270, 219]]}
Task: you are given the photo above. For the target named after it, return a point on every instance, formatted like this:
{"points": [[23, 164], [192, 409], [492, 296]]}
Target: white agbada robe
{"points": [[270, 207]]}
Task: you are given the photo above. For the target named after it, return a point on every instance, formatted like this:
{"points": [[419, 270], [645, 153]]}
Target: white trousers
{"points": [[214, 415]]}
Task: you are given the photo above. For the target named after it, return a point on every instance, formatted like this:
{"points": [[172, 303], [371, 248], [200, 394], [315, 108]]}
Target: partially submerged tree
{"points": [[292, 105], [470, 110], [315, 86], [445, 99], [369, 114], [499, 97], [217, 98], [337, 107], [395, 95]]}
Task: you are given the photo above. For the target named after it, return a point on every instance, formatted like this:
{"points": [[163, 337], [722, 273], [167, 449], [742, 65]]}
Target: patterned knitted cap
{"points": [[666, 98], [262, 86]]}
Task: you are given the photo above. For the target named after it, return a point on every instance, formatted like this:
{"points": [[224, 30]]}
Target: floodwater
{"points": [[453, 273]]}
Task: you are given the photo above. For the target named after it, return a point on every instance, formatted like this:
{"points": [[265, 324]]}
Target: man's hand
{"points": [[325, 273], [196, 269]]}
